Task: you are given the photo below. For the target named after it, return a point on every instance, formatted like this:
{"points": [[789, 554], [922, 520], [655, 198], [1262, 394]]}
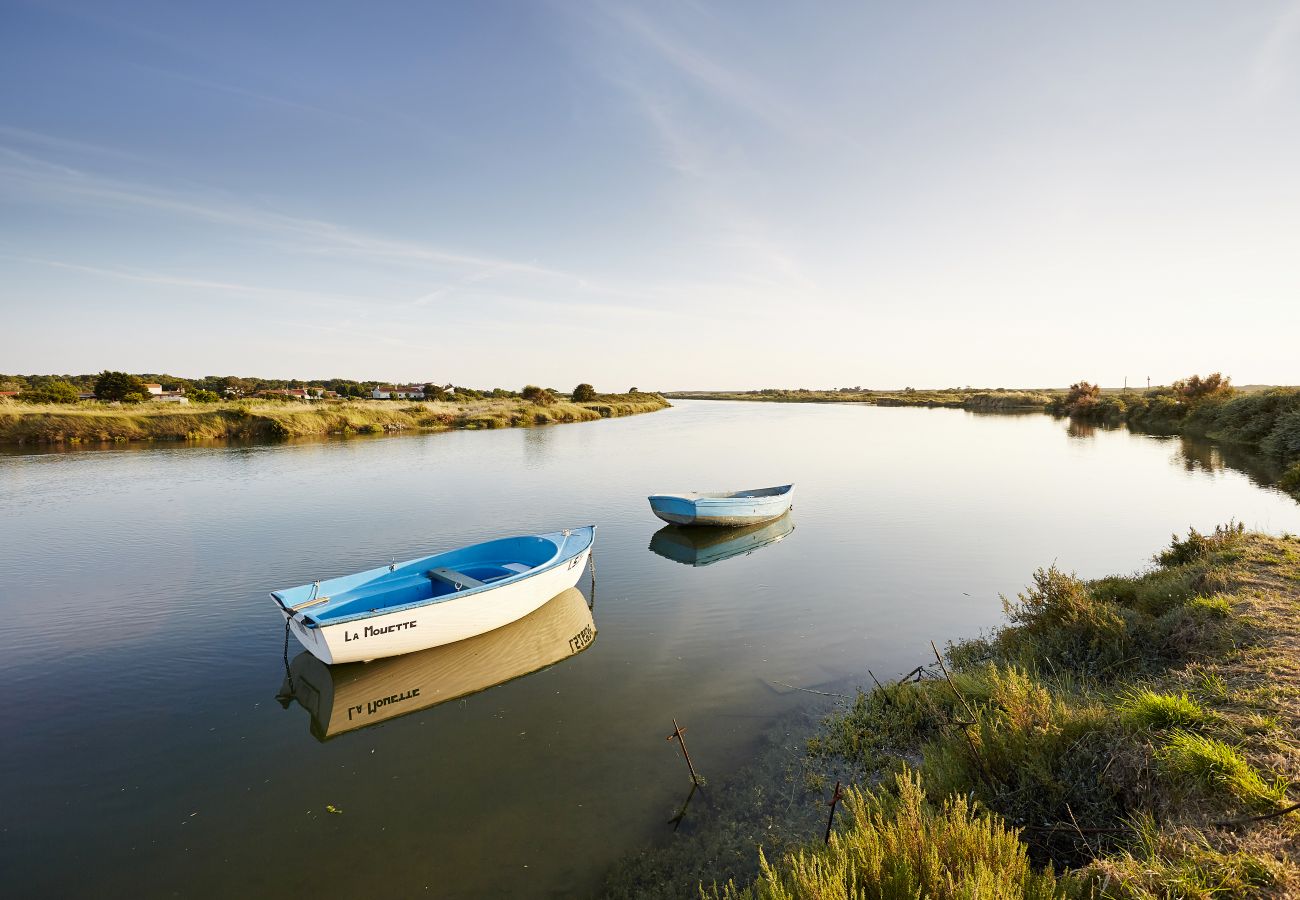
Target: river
{"points": [[145, 752]]}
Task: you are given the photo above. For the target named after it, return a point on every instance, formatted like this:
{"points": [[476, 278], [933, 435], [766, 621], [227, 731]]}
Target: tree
{"points": [[54, 391], [538, 396], [584, 393], [118, 386], [632, 390], [199, 395], [435, 392]]}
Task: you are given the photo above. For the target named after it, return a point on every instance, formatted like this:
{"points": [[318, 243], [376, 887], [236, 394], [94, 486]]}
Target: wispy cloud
{"points": [[248, 94], [1276, 59], [54, 181], [165, 279], [731, 85]]}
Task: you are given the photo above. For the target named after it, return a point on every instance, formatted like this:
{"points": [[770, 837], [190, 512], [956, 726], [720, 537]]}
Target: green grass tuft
{"points": [[1146, 710], [1214, 767]]}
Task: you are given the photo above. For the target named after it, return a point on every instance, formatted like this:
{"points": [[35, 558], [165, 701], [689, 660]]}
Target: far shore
{"points": [[91, 423]]}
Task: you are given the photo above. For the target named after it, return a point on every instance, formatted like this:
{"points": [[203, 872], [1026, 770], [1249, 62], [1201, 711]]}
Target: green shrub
{"points": [[1059, 622], [1197, 547], [584, 393], [538, 396], [1283, 440], [54, 391], [1290, 481]]}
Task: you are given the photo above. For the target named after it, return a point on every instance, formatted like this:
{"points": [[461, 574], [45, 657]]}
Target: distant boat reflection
{"points": [[705, 546], [356, 695]]}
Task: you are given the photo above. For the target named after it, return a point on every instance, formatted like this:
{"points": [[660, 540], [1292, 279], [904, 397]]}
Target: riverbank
{"points": [[949, 398], [96, 423], [1127, 737]]}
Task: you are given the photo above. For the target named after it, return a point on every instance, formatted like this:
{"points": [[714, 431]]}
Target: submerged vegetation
{"points": [[1129, 737], [91, 423]]}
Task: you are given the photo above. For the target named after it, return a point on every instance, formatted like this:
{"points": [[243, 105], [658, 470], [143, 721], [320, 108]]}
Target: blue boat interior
{"points": [[431, 578]]}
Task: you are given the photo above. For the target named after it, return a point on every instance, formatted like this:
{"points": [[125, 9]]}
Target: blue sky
{"points": [[660, 194]]}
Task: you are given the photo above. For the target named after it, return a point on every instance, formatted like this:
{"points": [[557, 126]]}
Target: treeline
{"points": [[209, 388], [1268, 421]]}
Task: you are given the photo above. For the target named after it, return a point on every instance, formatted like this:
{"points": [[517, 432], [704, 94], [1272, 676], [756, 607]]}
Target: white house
{"points": [[403, 392]]}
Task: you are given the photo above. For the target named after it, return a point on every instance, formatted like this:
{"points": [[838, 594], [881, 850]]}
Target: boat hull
{"points": [[724, 512], [444, 622]]}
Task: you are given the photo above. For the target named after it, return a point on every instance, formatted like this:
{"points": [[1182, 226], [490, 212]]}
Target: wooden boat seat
{"points": [[517, 568], [452, 577]]}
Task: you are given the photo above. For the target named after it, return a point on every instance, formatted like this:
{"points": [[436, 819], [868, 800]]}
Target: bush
{"points": [[584, 393], [1198, 547], [201, 396], [1059, 620], [1196, 388], [1283, 440], [1290, 481], [538, 396]]}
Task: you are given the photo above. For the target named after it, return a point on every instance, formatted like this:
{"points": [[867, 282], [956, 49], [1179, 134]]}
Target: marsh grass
{"points": [[88, 423], [1216, 769], [899, 845], [1164, 864]]}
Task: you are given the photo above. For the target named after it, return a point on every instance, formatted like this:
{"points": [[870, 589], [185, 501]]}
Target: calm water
{"points": [[144, 751]]}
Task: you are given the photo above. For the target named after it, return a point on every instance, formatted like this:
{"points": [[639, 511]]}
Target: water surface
{"points": [[144, 751]]}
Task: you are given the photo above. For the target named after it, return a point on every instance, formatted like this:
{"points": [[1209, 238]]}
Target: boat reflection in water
{"points": [[355, 695], [705, 546]]}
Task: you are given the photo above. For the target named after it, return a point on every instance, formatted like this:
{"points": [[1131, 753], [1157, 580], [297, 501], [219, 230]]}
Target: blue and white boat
{"points": [[729, 509], [433, 600], [345, 698], [706, 546]]}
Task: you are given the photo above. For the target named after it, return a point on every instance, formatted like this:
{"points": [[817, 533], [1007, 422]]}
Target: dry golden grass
{"points": [[94, 423]]}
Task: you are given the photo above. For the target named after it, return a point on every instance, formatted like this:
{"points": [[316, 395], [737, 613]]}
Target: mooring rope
{"points": [[288, 673], [591, 558]]}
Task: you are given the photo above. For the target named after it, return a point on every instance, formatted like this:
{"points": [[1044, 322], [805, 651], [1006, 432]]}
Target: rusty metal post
{"points": [[835, 798], [678, 731]]}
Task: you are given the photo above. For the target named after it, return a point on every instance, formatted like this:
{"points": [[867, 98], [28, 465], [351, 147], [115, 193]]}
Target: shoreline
{"points": [[87, 425], [1115, 737]]}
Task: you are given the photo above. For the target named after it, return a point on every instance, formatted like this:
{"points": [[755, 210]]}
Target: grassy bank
{"points": [[94, 423], [950, 398], [1130, 737]]}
